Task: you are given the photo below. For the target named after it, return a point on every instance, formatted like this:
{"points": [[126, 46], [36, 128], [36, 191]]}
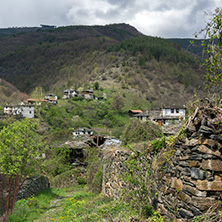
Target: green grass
{"points": [[31, 208], [73, 204]]}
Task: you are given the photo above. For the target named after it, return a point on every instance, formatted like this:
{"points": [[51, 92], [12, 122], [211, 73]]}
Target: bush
{"points": [[137, 131], [94, 171]]}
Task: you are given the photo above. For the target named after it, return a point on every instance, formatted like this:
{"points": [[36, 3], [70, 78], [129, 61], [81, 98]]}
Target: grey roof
{"points": [[141, 114]]}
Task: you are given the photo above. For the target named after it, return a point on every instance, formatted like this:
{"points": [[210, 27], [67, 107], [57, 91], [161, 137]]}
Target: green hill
{"points": [[119, 57]]}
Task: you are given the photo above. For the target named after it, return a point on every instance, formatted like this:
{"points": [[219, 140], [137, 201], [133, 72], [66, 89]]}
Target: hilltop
{"points": [[118, 56]]}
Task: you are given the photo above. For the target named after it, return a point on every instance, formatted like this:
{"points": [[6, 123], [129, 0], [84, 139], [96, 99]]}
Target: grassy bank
{"points": [[73, 204]]}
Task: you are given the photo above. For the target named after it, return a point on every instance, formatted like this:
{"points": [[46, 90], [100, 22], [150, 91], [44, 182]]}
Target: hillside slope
{"points": [[10, 94], [117, 56]]}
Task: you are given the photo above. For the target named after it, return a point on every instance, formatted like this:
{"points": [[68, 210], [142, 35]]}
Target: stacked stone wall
{"points": [[32, 185], [187, 176]]}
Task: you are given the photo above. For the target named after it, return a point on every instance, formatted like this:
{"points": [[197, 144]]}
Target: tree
{"points": [[117, 103], [20, 146], [20, 151], [213, 47], [37, 93], [96, 86]]}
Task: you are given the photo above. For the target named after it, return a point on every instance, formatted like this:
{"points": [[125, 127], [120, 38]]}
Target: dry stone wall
{"points": [[32, 185], [187, 176]]}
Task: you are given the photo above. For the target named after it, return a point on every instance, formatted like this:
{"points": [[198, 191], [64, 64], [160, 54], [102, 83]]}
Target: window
{"points": [[177, 110], [172, 110], [30, 112]]}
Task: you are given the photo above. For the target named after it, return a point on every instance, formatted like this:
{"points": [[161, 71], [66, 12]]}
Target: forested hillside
{"points": [[118, 56]]}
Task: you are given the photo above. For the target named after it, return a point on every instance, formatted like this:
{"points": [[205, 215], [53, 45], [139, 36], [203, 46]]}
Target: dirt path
{"points": [[54, 208]]}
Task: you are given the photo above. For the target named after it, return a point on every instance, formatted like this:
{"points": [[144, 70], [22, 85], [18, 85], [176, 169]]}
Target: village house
{"points": [[24, 110], [175, 112], [51, 98], [87, 94], [163, 116], [82, 131], [133, 112], [70, 93], [142, 116]]}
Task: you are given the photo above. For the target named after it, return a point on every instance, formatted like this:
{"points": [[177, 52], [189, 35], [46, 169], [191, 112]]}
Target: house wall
{"points": [[168, 112], [27, 111]]}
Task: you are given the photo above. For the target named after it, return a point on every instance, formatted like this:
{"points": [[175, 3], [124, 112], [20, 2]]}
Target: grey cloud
{"points": [[175, 18], [122, 3]]}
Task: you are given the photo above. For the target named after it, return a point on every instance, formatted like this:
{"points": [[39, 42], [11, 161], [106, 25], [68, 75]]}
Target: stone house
{"points": [[24, 110], [70, 93], [51, 98], [82, 131], [176, 112], [133, 112], [142, 116], [88, 94], [167, 115]]}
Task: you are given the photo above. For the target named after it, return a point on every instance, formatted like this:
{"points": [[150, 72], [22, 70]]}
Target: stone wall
{"points": [[187, 176], [113, 167], [32, 185]]}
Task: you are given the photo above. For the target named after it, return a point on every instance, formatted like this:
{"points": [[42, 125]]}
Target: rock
{"points": [[185, 213], [209, 156], [196, 157], [210, 143], [194, 163], [203, 203], [191, 143], [216, 137], [184, 157], [209, 185], [205, 149], [196, 173], [195, 211], [32, 185], [206, 130], [184, 197], [176, 183], [183, 163], [214, 165], [217, 178], [178, 152], [194, 191]]}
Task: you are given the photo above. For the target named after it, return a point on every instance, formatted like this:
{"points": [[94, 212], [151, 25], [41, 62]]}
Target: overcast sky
{"points": [[163, 18]]}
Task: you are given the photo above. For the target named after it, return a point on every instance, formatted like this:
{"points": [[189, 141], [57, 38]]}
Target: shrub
{"points": [[94, 170], [138, 131]]}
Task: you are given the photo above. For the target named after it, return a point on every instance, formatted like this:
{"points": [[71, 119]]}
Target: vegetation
{"points": [[73, 204], [137, 131], [20, 148], [94, 171], [20, 152], [213, 47], [114, 55]]}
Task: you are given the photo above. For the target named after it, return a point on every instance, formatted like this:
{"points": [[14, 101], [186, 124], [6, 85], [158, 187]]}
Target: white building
{"points": [[82, 131], [174, 112], [24, 110], [70, 93]]}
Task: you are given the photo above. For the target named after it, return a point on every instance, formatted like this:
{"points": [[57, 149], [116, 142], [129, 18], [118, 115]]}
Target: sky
{"points": [[162, 18]]}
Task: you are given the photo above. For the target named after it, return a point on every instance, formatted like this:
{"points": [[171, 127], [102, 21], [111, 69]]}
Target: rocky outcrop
{"points": [[187, 175]]}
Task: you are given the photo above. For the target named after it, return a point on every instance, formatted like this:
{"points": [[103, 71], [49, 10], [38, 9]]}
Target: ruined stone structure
{"points": [[32, 186], [187, 176]]}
